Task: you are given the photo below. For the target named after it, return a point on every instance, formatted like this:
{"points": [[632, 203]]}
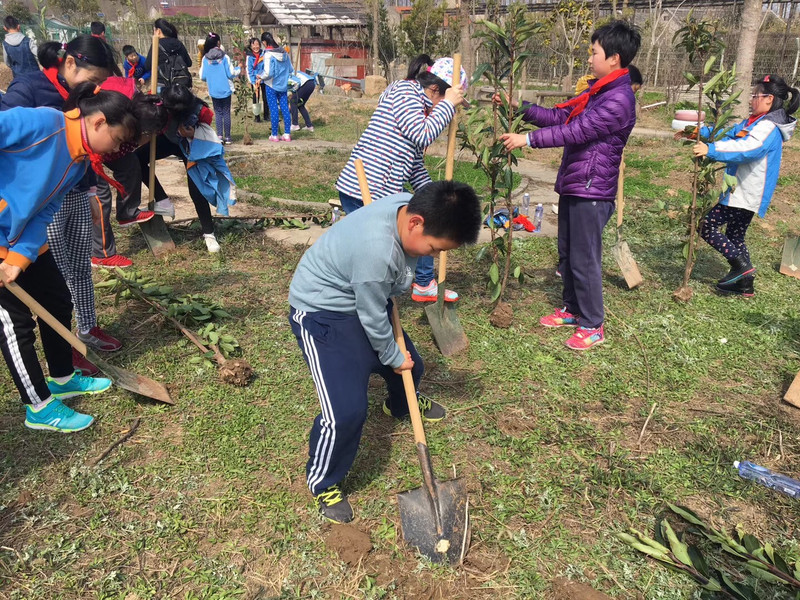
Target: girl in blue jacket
{"points": [[752, 150], [57, 147], [255, 68], [276, 73], [218, 72], [85, 58]]}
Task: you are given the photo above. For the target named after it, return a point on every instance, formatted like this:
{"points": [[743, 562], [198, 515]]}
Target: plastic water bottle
{"points": [[538, 215], [526, 204], [767, 478], [337, 214]]}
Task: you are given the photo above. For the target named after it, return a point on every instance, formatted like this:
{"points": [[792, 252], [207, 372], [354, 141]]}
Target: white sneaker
{"points": [[310, 129], [165, 207], [211, 242], [295, 128], [286, 137]]}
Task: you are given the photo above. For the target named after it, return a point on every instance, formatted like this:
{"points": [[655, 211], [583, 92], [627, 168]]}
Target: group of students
{"points": [[340, 296]]}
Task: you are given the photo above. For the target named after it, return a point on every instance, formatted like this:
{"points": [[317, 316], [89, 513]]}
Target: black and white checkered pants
{"points": [[70, 239]]}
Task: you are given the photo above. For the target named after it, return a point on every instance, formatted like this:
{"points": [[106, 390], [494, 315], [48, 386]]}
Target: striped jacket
{"points": [[753, 154], [393, 144]]}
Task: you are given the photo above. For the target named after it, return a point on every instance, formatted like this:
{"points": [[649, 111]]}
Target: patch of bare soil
{"points": [[350, 543], [502, 316], [5, 77], [564, 589]]}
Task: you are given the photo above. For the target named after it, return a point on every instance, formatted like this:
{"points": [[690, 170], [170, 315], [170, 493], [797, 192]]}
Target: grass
{"points": [[208, 499]]}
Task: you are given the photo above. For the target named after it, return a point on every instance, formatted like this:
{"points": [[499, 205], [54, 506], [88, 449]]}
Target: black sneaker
{"points": [[740, 267], [333, 505], [741, 287], [430, 410]]}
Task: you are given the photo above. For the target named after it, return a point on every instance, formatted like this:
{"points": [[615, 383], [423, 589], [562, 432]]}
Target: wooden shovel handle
{"points": [[620, 193], [151, 185], [42, 313], [451, 159], [366, 197], [408, 381]]}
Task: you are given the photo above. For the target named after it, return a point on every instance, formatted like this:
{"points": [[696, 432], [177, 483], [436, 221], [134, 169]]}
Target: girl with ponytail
{"points": [[85, 59], [45, 153], [752, 150]]}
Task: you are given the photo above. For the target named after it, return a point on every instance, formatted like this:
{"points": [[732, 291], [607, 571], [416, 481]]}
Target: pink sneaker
{"points": [[274, 138], [585, 338], [559, 318], [430, 293], [286, 137]]}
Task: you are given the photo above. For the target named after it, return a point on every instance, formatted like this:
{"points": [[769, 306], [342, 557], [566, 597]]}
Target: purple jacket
{"points": [[593, 141]]}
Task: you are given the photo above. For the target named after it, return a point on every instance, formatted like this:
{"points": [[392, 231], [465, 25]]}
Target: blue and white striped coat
{"points": [[393, 144], [753, 155]]}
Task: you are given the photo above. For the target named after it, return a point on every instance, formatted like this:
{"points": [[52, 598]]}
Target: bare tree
{"points": [[745, 53]]}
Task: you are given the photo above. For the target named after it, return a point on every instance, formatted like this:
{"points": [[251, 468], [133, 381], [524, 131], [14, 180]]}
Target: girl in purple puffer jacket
{"points": [[593, 128]]}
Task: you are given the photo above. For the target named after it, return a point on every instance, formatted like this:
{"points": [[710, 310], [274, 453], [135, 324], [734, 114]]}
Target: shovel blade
{"points": [[138, 384], [157, 236], [446, 328], [418, 521], [627, 264], [790, 261]]}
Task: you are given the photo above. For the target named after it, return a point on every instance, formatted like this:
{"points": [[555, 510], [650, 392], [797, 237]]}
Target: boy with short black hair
{"points": [[133, 66], [19, 51], [339, 299], [98, 30], [593, 128]]}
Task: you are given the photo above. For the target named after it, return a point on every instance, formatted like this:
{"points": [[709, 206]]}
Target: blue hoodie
{"points": [[216, 70], [277, 70], [255, 70], [42, 157], [135, 71]]}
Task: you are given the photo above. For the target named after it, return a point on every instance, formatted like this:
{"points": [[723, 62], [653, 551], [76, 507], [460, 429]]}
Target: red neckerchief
{"points": [[578, 103], [97, 161], [754, 118], [259, 56], [52, 74], [132, 70]]}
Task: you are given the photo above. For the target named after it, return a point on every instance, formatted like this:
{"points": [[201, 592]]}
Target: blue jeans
{"points": [[424, 273]]}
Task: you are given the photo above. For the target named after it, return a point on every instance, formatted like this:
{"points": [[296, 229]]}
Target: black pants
{"points": [[165, 148], [44, 282], [580, 251], [128, 172], [298, 102], [262, 95]]}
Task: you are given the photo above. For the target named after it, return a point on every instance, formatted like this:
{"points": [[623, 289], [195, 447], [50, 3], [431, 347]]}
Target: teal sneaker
{"points": [[55, 416], [78, 384]]}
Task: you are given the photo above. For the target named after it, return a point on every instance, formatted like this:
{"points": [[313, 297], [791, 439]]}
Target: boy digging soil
{"points": [[339, 312]]}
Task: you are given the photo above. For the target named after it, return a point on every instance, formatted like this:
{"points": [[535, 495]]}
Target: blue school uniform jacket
{"points": [[135, 71], [753, 154], [277, 70], [42, 157], [253, 69], [218, 72]]}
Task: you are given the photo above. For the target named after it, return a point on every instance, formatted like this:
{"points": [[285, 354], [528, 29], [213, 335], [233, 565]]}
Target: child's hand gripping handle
{"points": [[449, 164], [42, 313], [408, 380]]}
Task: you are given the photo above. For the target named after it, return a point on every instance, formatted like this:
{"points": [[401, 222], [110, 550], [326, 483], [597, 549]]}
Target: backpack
{"points": [[173, 70]]}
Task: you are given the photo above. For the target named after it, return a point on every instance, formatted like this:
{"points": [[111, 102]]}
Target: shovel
{"points": [[434, 518], [790, 261], [622, 254], [155, 230], [442, 316], [124, 379]]}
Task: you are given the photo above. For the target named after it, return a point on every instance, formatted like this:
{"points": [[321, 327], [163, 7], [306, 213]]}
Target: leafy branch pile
{"points": [[183, 311], [762, 561]]}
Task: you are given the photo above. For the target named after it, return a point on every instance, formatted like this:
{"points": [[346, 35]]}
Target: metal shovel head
{"points": [[138, 384], [418, 520], [627, 264], [790, 261], [157, 236], [446, 328]]}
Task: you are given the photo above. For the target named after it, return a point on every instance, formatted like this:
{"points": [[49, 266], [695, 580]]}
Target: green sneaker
{"points": [[55, 416], [333, 505], [78, 384], [430, 410]]}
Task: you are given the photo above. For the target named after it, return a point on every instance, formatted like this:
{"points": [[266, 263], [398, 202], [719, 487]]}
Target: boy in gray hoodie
{"points": [[19, 51]]}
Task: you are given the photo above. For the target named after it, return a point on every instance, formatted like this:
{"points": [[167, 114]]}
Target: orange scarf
{"points": [[578, 103]]}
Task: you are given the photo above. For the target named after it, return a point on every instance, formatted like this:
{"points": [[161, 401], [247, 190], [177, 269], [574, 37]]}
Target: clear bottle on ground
{"points": [[768, 478], [526, 204], [337, 214], [538, 215]]}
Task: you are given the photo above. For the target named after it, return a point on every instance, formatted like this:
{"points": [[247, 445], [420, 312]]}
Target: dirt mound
{"points": [[350, 543], [502, 316], [564, 589]]}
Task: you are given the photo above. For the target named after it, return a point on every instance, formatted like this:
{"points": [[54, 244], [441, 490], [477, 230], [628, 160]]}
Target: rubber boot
{"points": [[740, 266], [741, 287]]}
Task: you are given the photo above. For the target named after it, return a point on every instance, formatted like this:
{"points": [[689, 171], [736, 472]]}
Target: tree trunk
{"points": [[745, 53], [376, 14], [466, 36]]}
